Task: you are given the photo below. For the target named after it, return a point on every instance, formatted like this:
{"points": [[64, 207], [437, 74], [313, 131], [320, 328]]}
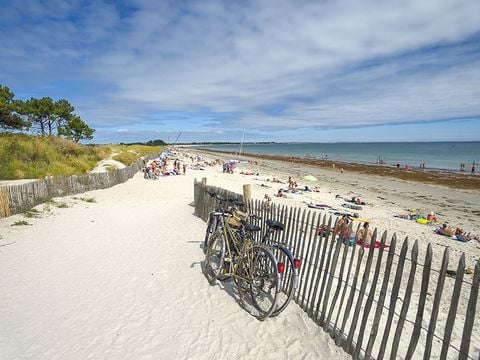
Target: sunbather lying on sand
{"points": [[280, 193], [275, 180], [353, 200], [445, 230]]}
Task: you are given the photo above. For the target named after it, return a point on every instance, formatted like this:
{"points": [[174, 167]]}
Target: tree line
{"points": [[42, 116], [148, 143]]}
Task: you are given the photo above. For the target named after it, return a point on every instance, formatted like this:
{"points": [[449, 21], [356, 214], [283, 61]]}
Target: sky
{"points": [[265, 70]]}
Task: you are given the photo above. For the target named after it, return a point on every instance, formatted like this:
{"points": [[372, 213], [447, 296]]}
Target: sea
{"points": [[434, 155]]}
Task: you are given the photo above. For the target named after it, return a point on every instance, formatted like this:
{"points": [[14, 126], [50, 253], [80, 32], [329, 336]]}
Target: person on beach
{"points": [[291, 183], [473, 168], [431, 217], [267, 202], [280, 193], [364, 234], [357, 201], [343, 224], [460, 235], [445, 230]]}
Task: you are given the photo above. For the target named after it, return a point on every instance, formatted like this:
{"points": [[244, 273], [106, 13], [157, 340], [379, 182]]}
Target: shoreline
{"points": [[448, 178], [386, 197]]}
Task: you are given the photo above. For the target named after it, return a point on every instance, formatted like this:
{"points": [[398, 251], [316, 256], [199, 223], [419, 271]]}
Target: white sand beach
{"points": [[120, 278]]}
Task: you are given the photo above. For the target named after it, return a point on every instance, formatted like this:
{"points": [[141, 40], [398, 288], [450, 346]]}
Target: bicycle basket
{"points": [[236, 219]]}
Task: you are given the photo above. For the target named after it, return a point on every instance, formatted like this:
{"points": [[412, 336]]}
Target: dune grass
{"points": [[20, 223], [35, 157], [128, 154]]}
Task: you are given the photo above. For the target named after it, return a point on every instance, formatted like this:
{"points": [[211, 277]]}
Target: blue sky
{"points": [[282, 70]]}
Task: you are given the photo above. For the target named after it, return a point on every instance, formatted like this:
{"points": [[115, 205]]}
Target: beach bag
{"points": [[349, 241], [236, 219]]}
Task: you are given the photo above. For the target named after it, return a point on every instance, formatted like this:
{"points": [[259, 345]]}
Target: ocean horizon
{"points": [[435, 155]]}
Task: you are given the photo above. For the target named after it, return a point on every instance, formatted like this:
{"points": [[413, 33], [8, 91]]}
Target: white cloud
{"points": [[342, 63]]}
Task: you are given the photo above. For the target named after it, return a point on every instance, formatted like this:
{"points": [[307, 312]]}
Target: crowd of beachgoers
{"points": [[348, 209], [164, 166]]}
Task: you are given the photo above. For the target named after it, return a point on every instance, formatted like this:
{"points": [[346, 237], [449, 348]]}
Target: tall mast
{"points": [[241, 144], [178, 136]]}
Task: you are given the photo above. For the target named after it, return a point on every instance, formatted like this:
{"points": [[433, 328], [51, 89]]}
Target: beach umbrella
{"points": [[164, 155], [310, 178]]}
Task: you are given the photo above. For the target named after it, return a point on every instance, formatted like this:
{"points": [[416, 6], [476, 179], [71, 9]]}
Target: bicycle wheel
{"points": [[214, 257], [258, 282], [288, 276], [211, 228]]}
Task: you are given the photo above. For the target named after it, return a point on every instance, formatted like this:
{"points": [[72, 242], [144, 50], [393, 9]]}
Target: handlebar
{"points": [[226, 200]]}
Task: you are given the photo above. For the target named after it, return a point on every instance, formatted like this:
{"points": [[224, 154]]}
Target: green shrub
{"points": [[32, 213], [86, 199], [20, 223]]}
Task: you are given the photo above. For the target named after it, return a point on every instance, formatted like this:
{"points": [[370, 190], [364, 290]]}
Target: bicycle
{"points": [[216, 218], [253, 267], [288, 265]]}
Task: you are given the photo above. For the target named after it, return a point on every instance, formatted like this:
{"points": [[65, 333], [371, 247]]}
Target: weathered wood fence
{"points": [[15, 199], [375, 302]]}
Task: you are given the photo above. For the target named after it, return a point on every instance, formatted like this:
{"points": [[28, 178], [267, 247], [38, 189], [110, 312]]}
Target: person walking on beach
{"points": [[473, 168]]}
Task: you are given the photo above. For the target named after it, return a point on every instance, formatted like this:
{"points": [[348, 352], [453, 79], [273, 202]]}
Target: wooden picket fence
{"points": [[15, 199], [375, 302]]}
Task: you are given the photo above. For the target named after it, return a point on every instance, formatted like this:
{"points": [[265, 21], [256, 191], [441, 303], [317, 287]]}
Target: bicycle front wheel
{"points": [[211, 228], [258, 282], [215, 257]]}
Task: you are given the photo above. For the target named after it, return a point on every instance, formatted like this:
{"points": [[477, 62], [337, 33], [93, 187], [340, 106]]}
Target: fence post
{"points": [[469, 319], [203, 188], [247, 193], [406, 301], [453, 307], [393, 298], [436, 304], [196, 192], [4, 203], [421, 303], [381, 299], [371, 295]]}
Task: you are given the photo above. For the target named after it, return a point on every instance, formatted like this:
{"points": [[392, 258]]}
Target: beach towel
{"points": [[341, 213], [377, 245], [352, 206], [319, 206]]}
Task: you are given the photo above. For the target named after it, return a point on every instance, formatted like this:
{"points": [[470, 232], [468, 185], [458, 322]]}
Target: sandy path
{"points": [[121, 279]]}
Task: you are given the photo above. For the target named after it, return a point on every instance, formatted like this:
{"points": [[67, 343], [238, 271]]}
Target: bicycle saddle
{"points": [[250, 227], [275, 225]]}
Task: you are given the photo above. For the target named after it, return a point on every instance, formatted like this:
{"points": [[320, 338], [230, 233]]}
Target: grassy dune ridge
{"points": [[34, 157]]}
